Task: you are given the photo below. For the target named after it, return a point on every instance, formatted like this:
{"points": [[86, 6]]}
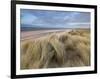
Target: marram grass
{"points": [[56, 50]]}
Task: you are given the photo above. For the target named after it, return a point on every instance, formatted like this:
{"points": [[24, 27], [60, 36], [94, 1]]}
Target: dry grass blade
{"points": [[62, 49]]}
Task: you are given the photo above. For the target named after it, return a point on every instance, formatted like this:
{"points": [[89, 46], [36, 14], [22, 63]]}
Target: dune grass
{"points": [[64, 49]]}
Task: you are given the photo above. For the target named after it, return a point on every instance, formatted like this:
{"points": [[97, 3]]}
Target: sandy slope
{"points": [[30, 35]]}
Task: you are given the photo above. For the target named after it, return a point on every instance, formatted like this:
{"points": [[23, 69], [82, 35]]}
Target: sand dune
{"points": [[57, 49], [28, 35]]}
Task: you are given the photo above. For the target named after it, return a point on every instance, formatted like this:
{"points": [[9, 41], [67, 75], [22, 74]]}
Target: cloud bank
{"points": [[54, 19]]}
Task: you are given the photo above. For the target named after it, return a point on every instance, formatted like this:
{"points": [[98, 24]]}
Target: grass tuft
{"points": [[63, 49]]}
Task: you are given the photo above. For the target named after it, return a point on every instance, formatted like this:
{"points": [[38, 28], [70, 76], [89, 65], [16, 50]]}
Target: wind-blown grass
{"points": [[63, 49]]}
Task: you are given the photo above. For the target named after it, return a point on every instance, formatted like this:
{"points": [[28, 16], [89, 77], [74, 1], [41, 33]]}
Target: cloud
{"points": [[54, 19], [28, 19]]}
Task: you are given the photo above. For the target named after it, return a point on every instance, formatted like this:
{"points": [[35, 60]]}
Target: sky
{"points": [[54, 19]]}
